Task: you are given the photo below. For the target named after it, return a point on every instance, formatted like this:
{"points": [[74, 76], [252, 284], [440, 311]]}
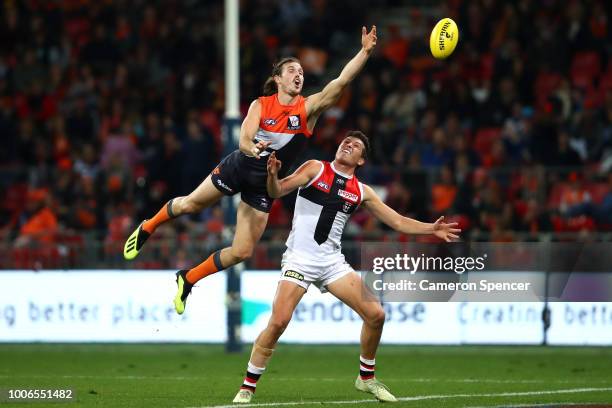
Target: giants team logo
{"points": [[348, 196], [293, 122], [323, 185]]}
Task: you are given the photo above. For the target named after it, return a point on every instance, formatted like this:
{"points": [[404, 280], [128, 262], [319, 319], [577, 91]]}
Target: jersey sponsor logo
{"points": [[224, 186], [269, 122], [323, 185], [294, 275], [348, 195], [293, 122]]}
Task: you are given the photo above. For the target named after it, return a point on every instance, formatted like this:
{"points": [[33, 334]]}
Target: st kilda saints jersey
{"points": [[283, 125], [322, 208]]}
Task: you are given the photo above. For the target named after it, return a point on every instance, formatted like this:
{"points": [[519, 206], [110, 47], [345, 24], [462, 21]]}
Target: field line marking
{"points": [[421, 397]]}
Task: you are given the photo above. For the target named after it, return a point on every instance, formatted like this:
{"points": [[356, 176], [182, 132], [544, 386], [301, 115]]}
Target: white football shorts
{"points": [[304, 271]]}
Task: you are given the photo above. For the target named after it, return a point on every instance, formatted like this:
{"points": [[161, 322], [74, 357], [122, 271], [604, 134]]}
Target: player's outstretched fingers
{"points": [[273, 164]]}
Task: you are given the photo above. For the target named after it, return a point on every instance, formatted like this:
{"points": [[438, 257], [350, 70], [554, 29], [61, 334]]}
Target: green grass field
{"points": [[310, 376]]}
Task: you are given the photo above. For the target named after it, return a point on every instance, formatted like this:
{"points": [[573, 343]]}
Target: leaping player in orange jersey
{"points": [[279, 122]]}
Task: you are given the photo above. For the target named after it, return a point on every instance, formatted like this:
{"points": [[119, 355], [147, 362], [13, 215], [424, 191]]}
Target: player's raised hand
{"points": [[447, 232], [274, 165], [368, 40], [259, 147]]}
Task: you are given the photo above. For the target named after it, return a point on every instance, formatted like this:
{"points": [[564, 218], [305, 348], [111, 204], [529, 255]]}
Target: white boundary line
{"points": [[420, 398]]}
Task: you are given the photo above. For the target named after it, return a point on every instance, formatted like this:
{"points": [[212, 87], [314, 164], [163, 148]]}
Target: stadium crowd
{"points": [[110, 108]]}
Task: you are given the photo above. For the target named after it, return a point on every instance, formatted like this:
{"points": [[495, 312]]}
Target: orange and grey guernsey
{"points": [[286, 126]]}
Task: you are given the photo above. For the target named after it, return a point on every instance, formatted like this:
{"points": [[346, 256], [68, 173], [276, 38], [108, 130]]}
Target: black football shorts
{"points": [[237, 173]]}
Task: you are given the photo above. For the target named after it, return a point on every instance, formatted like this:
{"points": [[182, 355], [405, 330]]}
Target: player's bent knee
{"points": [[376, 317], [278, 324], [243, 253]]}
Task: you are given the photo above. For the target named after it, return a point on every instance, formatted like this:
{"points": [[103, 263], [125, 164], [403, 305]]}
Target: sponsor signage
{"points": [[321, 318], [136, 306], [580, 323], [108, 306]]}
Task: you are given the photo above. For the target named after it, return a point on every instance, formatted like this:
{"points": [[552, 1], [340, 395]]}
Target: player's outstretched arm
{"points": [[249, 127], [389, 216], [317, 103], [278, 188]]}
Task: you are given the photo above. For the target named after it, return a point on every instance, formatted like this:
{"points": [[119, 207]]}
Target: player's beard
{"points": [[292, 91]]}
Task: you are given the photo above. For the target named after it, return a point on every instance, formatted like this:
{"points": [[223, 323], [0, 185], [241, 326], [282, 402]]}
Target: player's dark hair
{"points": [[361, 136], [270, 87]]}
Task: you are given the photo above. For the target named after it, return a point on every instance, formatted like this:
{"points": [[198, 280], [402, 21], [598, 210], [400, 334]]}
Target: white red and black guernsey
{"points": [[322, 209], [286, 126]]}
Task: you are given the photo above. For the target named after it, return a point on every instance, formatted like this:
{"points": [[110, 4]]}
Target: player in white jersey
{"points": [[328, 193]]}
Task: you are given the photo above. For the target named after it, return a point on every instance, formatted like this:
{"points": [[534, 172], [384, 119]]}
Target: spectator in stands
{"points": [[565, 155], [601, 212], [403, 103], [120, 149], [105, 106], [575, 196], [199, 155], [437, 153], [444, 192], [37, 224], [534, 220]]}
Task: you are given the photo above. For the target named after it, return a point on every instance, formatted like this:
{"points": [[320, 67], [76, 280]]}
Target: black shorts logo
{"points": [[224, 186], [294, 275]]}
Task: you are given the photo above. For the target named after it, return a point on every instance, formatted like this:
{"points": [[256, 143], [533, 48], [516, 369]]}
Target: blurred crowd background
{"points": [[110, 108]]}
